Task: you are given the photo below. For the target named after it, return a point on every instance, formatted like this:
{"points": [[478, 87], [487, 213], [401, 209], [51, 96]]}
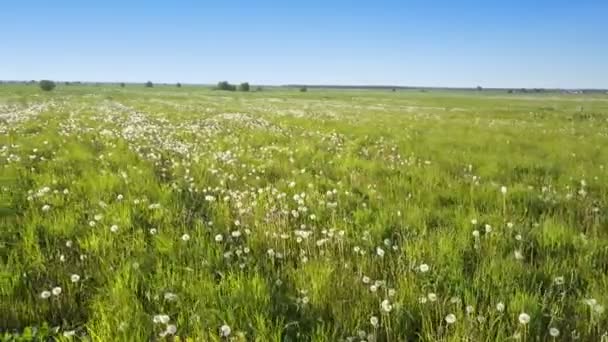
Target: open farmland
{"points": [[171, 213]]}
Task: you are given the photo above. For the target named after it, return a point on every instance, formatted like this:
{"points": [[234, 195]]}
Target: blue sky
{"points": [[513, 43]]}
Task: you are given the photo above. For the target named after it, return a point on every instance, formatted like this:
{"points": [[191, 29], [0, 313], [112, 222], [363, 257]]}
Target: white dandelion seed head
{"points": [[225, 330], [75, 278], [386, 305], [185, 237], [524, 318], [114, 228], [56, 291], [554, 332], [503, 190], [423, 268], [45, 294], [219, 238], [374, 321], [450, 319], [500, 307]]}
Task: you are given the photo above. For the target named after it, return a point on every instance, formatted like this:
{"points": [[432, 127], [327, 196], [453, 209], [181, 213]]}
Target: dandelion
{"points": [[554, 332], [69, 244], [424, 268], [500, 307], [120, 197], [365, 280], [473, 221], [380, 252], [75, 278], [558, 280], [46, 207], [488, 228], [171, 329], [225, 330], [524, 318], [503, 190], [170, 296], [450, 319], [219, 238], [518, 237], [432, 297], [373, 288], [470, 309], [114, 228], [56, 291], [519, 255], [392, 292], [185, 237], [45, 294], [69, 333], [153, 231], [476, 233], [386, 305], [374, 321]]}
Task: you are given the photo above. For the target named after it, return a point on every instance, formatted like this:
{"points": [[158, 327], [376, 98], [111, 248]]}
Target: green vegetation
{"points": [[134, 214], [47, 85]]}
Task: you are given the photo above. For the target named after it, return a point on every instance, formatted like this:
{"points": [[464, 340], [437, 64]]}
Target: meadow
{"points": [[189, 214]]}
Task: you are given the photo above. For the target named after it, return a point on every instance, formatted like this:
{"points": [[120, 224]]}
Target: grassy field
{"points": [[136, 214]]}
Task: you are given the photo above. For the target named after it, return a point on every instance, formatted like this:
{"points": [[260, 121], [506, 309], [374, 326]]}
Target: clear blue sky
{"points": [[512, 43]]}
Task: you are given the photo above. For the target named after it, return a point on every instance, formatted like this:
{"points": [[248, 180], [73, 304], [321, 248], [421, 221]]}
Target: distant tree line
{"points": [[225, 85]]}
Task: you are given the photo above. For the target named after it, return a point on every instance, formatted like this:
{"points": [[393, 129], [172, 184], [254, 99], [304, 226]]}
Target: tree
{"points": [[122, 84], [179, 85], [224, 85], [47, 85], [244, 86], [149, 84], [303, 89], [479, 88], [259, 89]]}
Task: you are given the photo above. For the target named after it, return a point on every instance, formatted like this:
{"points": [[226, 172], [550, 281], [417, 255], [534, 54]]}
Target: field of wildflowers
{"points": [[187, 214]]}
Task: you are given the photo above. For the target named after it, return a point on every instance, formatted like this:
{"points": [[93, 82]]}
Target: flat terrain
{"points": [[138, 214]]}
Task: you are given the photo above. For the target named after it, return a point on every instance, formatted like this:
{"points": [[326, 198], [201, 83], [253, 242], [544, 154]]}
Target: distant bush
{"points": [[224, 85], [259, 89], [303, 89], [479, 88], [179, 85], [47, 85], [244, 86], [149, 84], [122, 84]]}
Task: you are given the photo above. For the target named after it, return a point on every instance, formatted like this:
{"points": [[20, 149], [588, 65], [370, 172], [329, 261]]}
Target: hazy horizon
{"points": [[546, 44]]}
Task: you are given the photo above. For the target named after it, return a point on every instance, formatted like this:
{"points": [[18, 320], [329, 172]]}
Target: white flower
{"points": [[599, 309], [558, 280], [392, 292], [503, 190], [45, 294], [432, 297], [153, 231], [509, 225], [170, 296], [380, 252], [473, 221], [488, 228], [236, 233], [225, 330], [185, 237], [365, 280], [518, 237], [119, 197], [373, 288], [219, 238], [500, 307], [164, 319], [524, 318], [518, 255], [470, 309], [424, 268], [386, 305], [69, 333], [171, 329], [554, 332], [69, 244], [75, 278], [46, 207], [114, 228], [476, 233], [56, 291], [450, 319], [374, 321]]}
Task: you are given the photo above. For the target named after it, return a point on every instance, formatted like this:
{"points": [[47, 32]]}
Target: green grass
{"points": [[292, 216]]}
